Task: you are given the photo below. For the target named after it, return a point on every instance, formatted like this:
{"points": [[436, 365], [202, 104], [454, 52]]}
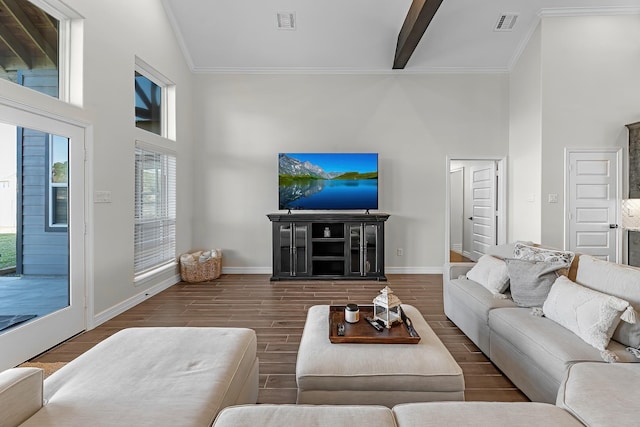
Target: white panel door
{"points": [[28, 339], [483, 196], [593, 199]]}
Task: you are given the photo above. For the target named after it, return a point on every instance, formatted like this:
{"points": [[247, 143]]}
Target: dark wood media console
{"points": [[328, 246]]}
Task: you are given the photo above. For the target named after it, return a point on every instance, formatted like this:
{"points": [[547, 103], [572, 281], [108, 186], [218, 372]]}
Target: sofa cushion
{"points": [[591, 315], [151, 376], [601, 394], [491, 273], [477, 299], [482, 414], [305, 415], [531, 280], [545, 342], [617, 280], [20, 395]]}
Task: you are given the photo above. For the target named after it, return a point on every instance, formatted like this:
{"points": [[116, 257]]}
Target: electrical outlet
{"points": [[553, 198], [399, 252]]}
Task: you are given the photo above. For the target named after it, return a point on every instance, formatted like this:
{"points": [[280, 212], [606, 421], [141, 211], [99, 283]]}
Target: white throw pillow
{"points": [[491, 273], [591, 315]]}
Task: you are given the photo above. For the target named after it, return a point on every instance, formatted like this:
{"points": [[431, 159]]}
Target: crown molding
{"points": [[589, 11], [349, 71]]}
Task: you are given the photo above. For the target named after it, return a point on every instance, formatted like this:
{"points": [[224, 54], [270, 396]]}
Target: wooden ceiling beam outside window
{"points": [[34, 34], [420, 14], [15, 46]]}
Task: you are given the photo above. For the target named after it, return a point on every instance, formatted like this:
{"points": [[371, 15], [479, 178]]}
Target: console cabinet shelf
{"points": [[328, 246]]}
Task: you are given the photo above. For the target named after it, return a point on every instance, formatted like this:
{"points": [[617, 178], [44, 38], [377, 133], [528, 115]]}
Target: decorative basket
{"points": [[201, 266]]}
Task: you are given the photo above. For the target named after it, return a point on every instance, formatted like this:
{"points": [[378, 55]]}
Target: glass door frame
{"points": [[32, 338]]}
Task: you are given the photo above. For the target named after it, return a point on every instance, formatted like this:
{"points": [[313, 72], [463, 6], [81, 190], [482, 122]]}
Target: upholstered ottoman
{"points": [[602, 394], [153, 377], [305, 415], [482, 414], [374, 374]]}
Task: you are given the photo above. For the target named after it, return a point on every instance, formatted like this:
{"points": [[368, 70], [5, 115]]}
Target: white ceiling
{"points": [[360, 35]]}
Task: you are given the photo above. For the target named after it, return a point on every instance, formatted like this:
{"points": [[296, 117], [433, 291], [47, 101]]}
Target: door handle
{"points": [[613, 225], [471, 218]]}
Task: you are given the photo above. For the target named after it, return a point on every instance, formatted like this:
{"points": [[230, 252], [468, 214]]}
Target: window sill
{"points": [[150, 275]]}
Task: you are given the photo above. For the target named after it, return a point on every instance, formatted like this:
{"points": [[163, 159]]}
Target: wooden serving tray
{"points": [[363, 333]]}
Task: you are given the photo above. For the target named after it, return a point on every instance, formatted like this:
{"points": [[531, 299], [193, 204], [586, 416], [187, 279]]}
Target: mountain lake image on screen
{"points": [[328, 181]]}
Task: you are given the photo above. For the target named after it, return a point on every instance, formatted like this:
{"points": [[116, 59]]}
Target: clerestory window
{"points": [[29, 46]]}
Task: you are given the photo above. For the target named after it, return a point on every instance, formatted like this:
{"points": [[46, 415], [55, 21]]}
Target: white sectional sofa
{"points": [[139, 377], [535, 352], [429, 414], [591, 394]]}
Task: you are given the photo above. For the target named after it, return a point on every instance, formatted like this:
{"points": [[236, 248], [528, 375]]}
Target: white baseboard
{"points": [[390, 270], [456, 247], [246, 270], [413, 270], [125, 305]]}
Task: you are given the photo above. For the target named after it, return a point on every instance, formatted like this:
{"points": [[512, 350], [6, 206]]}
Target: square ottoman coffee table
{"points": [[374, 374]]}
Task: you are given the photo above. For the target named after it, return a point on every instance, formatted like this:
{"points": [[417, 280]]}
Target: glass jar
{"points": [[352, 313]]}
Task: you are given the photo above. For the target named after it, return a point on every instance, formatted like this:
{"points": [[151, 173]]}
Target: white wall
{"points": [[590, 90], [114, 33], [525, 145], [456, 221], [241, 122]]}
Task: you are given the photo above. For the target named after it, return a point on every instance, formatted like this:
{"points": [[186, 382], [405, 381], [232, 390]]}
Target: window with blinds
{"points": [[155, 210]]}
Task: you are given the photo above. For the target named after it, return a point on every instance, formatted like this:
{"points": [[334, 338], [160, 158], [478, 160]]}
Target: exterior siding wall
{"points": [[43, 252]]}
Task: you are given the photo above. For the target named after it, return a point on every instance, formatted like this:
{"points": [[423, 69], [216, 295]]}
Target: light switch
{"points": [[102, 196]]}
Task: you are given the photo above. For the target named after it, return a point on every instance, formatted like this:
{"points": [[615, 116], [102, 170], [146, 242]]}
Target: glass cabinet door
{"points": [[363, 249], [293, 248], [284, 239], [370, 248], [300, 251], [355, 249]]}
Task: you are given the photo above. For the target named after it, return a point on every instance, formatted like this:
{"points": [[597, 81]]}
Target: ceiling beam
{"points": [[15, 46], [32, 32], [420, 14]]}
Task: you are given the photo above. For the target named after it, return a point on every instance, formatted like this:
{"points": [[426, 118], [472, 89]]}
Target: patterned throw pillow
{"points": [[535, 253]]}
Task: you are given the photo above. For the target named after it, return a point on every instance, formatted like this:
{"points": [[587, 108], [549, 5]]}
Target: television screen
{"points": [[327, 181]]}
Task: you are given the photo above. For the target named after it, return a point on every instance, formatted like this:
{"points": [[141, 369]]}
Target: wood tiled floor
{"points": [[277, 312]]}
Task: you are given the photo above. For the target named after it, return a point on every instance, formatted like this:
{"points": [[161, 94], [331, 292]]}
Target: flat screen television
{"points": [[328, 181]]}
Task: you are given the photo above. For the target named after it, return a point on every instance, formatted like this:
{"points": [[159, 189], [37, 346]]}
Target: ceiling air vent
{"points": [[506, 22], [286, 21]]}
